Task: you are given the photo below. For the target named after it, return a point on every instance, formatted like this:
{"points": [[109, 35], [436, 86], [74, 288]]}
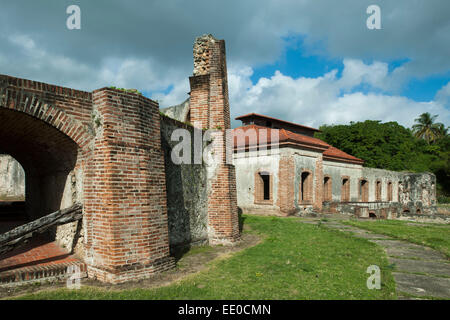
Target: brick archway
{"points": [[49, 158], [43, 129], [25, 97], [102, 149]]}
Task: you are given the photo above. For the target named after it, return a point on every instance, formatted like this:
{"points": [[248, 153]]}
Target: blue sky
{"points": [[311, 62]]}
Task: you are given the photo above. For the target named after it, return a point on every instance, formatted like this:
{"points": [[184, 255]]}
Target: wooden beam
{"points": [[20, 235]]}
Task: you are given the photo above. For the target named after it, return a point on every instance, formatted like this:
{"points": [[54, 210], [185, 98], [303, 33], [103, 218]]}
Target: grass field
{"points": [[431, 235], [294, 261]]}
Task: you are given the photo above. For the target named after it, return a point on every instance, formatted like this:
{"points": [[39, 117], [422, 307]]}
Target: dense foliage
{"points": [[393, 147]]}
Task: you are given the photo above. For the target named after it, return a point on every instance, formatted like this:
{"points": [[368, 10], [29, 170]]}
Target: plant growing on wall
{"points": [[127, 90]]}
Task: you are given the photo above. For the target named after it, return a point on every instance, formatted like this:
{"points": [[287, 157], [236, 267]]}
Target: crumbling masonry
{"points": [[110, 150]]}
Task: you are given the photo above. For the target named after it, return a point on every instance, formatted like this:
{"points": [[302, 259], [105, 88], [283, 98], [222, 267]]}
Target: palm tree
{"points": [[426, 128], [442, 130]]}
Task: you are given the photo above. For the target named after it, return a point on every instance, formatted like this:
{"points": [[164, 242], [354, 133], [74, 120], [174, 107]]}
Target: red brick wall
{"points": [[199, 101], [209, 109], [66, 109], [318, 185], [125, 216], [127, 234], [285, 199]]}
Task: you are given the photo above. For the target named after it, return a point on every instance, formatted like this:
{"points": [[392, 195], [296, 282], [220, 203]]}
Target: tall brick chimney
{"points": [[209, 109]]}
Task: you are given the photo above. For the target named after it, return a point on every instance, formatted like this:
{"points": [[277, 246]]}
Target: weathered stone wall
{"points": [[179, 112], [310, 162], [372, 175], [337, 171], [399, 193], [408, 193], [12, 179], [417, 193], [247, 165], [187, 197]]}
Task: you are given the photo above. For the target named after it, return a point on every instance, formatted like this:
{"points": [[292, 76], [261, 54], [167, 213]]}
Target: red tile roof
{"points": [[335, 154], [256, 115], [288, 138], [284, 136]]}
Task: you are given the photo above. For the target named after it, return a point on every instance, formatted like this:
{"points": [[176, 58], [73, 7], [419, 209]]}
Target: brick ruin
{"points": [[304, 175], [110, 151]]}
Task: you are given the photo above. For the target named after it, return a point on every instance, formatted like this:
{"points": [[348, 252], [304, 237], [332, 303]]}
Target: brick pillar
{"points": [[209, 109], [125, 203], [199, 98], [286, 175], [318, 176]]}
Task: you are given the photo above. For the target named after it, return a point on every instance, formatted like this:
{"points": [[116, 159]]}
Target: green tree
{"points": [[394, 147], [442, 131], [426, 128]]}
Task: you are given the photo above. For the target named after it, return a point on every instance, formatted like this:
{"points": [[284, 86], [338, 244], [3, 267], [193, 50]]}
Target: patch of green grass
{"points": [[294, 261], [199, 249], [432, 235]]}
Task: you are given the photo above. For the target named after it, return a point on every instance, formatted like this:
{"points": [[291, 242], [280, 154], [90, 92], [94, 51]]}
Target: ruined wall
{"points": [[417, 193], [411, 193], [209, 109], [179, 112], [186, 184], [12, 179], [400, 194], [247, 165], [311, 162], [125, 214], [337, 171], [372, 175]]}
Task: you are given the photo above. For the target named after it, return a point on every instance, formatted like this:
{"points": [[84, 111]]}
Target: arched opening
{"points": [[418, 211], [306, 188], [345, 190], [363, 191], [372, 215], [50, 161], [378, 190], [12, 193], [327, 188], [389, 192], [12, 179]]}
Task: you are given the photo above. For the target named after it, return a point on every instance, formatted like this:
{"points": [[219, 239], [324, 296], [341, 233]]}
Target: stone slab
{"points": [[416, 253], [429, 267], [419, 285]]}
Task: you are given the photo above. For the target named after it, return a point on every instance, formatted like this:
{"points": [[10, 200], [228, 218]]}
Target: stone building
{"points": [[297, 173]]}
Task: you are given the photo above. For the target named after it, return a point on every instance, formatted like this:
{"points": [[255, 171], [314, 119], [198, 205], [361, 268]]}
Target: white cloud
{"points": [[356, 72], [310, 101], [317, 101], [443, 95], [327, 99], [31, 61]]}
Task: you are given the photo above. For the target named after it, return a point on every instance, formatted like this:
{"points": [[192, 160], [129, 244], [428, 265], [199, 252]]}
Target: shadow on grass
{"points": [[180, 251], [241, 220]]}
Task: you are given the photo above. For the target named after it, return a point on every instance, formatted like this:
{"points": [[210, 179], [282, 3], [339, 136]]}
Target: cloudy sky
{"points": [[309, 61]]}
